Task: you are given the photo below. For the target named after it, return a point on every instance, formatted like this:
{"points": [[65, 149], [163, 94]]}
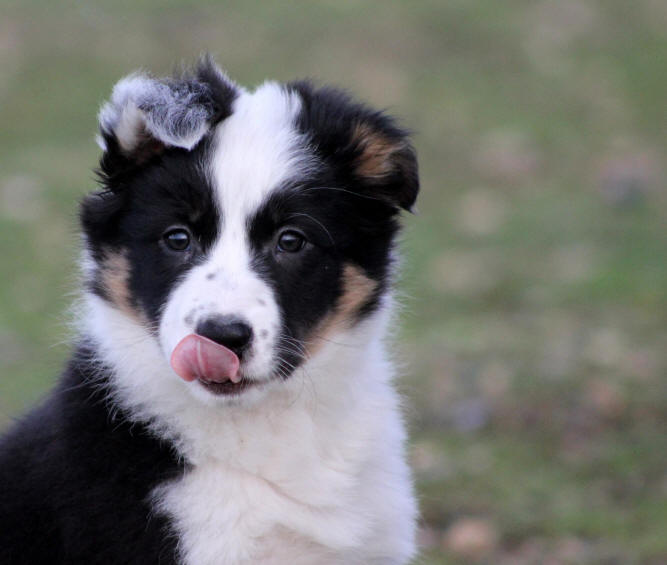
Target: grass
{"points": [[534, 278]]}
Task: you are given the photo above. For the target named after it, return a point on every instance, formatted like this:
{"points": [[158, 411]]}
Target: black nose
{"points": [[233, 333]]}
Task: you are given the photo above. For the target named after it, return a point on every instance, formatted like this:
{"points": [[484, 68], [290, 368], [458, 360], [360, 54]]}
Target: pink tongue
{"points": [[197, 357]]}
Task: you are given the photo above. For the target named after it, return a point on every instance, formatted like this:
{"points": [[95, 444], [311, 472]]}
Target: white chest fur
{"points": [[295, 486], [310, 472]]}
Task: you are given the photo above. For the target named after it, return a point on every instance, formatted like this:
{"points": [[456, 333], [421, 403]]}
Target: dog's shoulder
{"points": [[76, 479], [25, 516]]}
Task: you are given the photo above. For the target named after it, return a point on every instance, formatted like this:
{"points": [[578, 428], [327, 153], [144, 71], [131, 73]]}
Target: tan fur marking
{"points": [[376, 159], [357, 289], [115, 273]]}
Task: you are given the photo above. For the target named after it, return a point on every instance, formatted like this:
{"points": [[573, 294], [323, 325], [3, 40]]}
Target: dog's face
{"points": [[261, 221]]}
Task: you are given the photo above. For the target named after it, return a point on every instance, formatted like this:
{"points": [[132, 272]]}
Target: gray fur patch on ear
{"points": [[175, 112]]}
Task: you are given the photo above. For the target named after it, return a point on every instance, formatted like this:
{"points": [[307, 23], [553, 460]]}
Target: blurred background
{"points": [[534, 285]]}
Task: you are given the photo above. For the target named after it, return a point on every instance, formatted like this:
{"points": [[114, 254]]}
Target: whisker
{"points": [[317, 222], [339, 189]]}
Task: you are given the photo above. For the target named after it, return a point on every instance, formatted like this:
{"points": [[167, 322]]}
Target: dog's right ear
{"points": [[146, 115]]}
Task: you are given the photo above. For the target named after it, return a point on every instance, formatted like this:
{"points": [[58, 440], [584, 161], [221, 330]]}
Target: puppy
{"points": [[229, 399]]}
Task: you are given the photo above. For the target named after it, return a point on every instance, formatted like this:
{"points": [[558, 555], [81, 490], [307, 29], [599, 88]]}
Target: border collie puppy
{"points": [[230, 398]]}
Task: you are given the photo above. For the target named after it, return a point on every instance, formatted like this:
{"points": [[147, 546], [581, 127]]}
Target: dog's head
{"points": [[241, 230]]}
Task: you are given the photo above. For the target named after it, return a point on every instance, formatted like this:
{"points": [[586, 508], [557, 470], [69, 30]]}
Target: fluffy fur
{"points": [[125, 462]]}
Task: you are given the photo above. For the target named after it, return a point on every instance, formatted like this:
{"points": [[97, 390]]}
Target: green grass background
{"points": [[534, 284]]}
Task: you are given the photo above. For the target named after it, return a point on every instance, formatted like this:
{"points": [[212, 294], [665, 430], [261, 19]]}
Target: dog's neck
{"points": [[316, 451], [321, 406]]}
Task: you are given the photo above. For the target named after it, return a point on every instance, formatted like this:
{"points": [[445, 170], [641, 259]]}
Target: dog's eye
{"points": [[290, 242], [177, 239]]}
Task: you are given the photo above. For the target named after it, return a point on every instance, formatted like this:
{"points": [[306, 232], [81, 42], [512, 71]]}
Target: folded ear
{"points": [[145, 115], [375, 154], [385, 161]]}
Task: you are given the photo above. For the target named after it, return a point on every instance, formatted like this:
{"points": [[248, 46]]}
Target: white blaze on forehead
{"points": [[256, 149]]}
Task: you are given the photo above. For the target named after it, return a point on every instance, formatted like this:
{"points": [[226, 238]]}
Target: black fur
{"points": [[330, 117], [131, 216], [341, 229], [76, 477]]}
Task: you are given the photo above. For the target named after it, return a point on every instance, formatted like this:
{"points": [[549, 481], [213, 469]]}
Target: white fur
{"points": [[309, 470], [313, 472], [142, 105], [256, 150]]}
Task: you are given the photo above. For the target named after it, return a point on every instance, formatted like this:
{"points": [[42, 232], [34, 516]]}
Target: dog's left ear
{"points": [[384, 162], [375, 154], [146, 115]]}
